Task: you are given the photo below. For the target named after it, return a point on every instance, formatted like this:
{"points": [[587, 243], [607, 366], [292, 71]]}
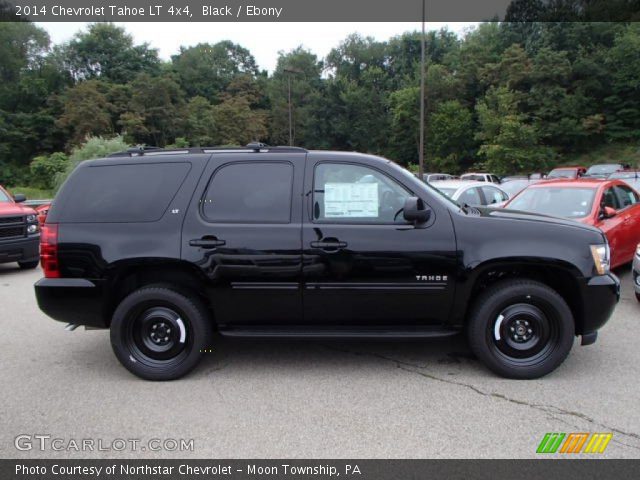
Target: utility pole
{"points": [[422, 48], [290, 71]]}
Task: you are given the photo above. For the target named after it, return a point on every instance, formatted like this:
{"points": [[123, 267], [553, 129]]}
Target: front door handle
{"points": [[207, 242], [329, 244]]}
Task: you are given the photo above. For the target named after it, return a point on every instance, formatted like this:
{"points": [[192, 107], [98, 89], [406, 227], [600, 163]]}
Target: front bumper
{"points": [[23, 249], [600, 295], [72, 300], [635, 273]]}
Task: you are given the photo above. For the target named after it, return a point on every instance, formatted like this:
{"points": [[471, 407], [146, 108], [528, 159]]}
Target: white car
{"points": [[481, 177], [476, 194]]}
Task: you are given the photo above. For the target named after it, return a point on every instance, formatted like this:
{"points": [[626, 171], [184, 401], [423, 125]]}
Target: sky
{"points": [[264, 40]]}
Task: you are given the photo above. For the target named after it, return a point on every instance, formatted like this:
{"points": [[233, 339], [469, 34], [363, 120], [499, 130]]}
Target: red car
{"points": [[611, 205], [42, 211], [567, 172], [19, 231]]}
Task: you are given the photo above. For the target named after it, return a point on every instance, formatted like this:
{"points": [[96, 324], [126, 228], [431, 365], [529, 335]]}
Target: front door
{"points": [[243, 232], [363, 263]]}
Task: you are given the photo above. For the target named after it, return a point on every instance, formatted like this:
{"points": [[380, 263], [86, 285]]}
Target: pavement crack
{"points": [[549, 409]]}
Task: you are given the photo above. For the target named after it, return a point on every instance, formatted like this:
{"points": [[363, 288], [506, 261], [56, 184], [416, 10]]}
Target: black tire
{"points": [[159, 333], [534, 335], [29, 265]]}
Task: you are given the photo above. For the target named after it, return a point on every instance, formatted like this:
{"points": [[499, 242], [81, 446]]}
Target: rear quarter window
{"points": [[121, 193]]}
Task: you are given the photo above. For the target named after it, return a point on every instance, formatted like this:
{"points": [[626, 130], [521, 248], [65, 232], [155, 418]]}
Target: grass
{"points": [[32, 193]]}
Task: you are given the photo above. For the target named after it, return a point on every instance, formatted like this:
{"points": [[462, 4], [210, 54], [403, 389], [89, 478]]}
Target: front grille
{"points": [[4, 220], [8, 232]]}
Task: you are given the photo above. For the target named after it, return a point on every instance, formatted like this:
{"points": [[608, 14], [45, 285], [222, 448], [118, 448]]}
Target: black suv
{"points": [[166, 247]]}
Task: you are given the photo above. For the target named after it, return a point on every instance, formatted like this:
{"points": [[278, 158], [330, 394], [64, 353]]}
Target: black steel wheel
{"points": [[159, 333], [521, 329]]}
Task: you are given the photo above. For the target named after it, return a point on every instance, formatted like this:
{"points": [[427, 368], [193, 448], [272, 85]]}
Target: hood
{"points": [[534, 217], [11, 208]]}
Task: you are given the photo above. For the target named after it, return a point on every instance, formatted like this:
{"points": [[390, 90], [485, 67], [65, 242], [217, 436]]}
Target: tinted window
{"points": [[122, 193], [493, 195], [626, 196], [470, 196], [345, 193], [609, 199], [255, 192]]}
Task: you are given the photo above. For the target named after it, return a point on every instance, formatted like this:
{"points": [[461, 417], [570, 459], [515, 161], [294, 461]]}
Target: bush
{"points": [[44, 169], [94, 147]]}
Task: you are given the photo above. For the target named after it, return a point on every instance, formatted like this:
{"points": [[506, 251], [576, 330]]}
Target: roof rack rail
{"points": [[251, 147]]}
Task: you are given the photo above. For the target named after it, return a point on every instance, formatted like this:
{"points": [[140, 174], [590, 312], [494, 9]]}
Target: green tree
{"points": [[450, 137], [206, 70], [237, 123], [200, 122], [86, 111], [107, 51], [45, 168], [156, 111], [508, 144]]}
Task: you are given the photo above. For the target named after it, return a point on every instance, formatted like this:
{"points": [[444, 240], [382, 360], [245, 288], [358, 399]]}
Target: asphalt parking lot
{"points": [[302, 399]]}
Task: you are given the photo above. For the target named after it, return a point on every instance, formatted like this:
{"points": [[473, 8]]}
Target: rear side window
{"points": [[122, 193], [251, 192]]}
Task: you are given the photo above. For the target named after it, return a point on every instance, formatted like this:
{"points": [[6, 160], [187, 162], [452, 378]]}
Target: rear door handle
{"points": [[329, 244], [207, 242]]}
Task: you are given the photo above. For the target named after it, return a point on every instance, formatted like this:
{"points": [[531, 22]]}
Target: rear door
{"points": [[243, 232]]}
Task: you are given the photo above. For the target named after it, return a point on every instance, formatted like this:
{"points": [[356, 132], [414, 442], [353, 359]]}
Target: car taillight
{"points": [[49, 250]]}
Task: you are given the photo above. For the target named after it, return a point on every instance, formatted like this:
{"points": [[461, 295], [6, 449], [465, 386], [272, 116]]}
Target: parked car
{"points": [[603, 170], [261, 241], [630, 177], [481, 177], [610, 205], [42, 211], [476, 194], [567, 172], [636, 272], [19, 231], [432, 177]]}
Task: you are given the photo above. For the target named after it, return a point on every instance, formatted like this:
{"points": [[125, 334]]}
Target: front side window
{"points": [[346, 193], [252, 192], [471, 196], [626, 196], [3, 196], [493, 195]]}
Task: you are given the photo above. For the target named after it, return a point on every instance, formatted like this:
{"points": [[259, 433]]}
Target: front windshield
{"points": [[603, 169], [4, 197], [558, 202], [561, 173], [514, 186]]}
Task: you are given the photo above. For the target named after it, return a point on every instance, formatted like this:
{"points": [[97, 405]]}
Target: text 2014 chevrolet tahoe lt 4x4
{"points": [[164, 247]]}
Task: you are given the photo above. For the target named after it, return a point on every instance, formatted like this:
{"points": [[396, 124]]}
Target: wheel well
{"points": [[128, 279], [556, 278]]}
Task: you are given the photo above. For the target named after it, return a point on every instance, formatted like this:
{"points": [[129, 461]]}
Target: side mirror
{"points": [[608, 212], [416, 212], [19, 198]]}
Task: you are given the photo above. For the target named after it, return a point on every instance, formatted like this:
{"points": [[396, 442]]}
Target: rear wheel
{"points": [[521, 329], [159, 333], [29, 265]]}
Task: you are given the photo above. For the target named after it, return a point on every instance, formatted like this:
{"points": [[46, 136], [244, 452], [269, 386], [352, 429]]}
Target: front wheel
{"points": [[521, 329], [638, 296], [159, 333]]}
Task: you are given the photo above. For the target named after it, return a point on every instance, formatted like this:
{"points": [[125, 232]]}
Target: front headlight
{"points": [[32, 219], [601, 260], [33, 228]]}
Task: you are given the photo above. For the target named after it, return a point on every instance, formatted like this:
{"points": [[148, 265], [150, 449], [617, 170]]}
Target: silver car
{"points": [[636, 272], [476, 194]]}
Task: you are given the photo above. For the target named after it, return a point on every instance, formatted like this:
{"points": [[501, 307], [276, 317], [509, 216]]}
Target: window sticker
{"points": [[351, 200]]}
